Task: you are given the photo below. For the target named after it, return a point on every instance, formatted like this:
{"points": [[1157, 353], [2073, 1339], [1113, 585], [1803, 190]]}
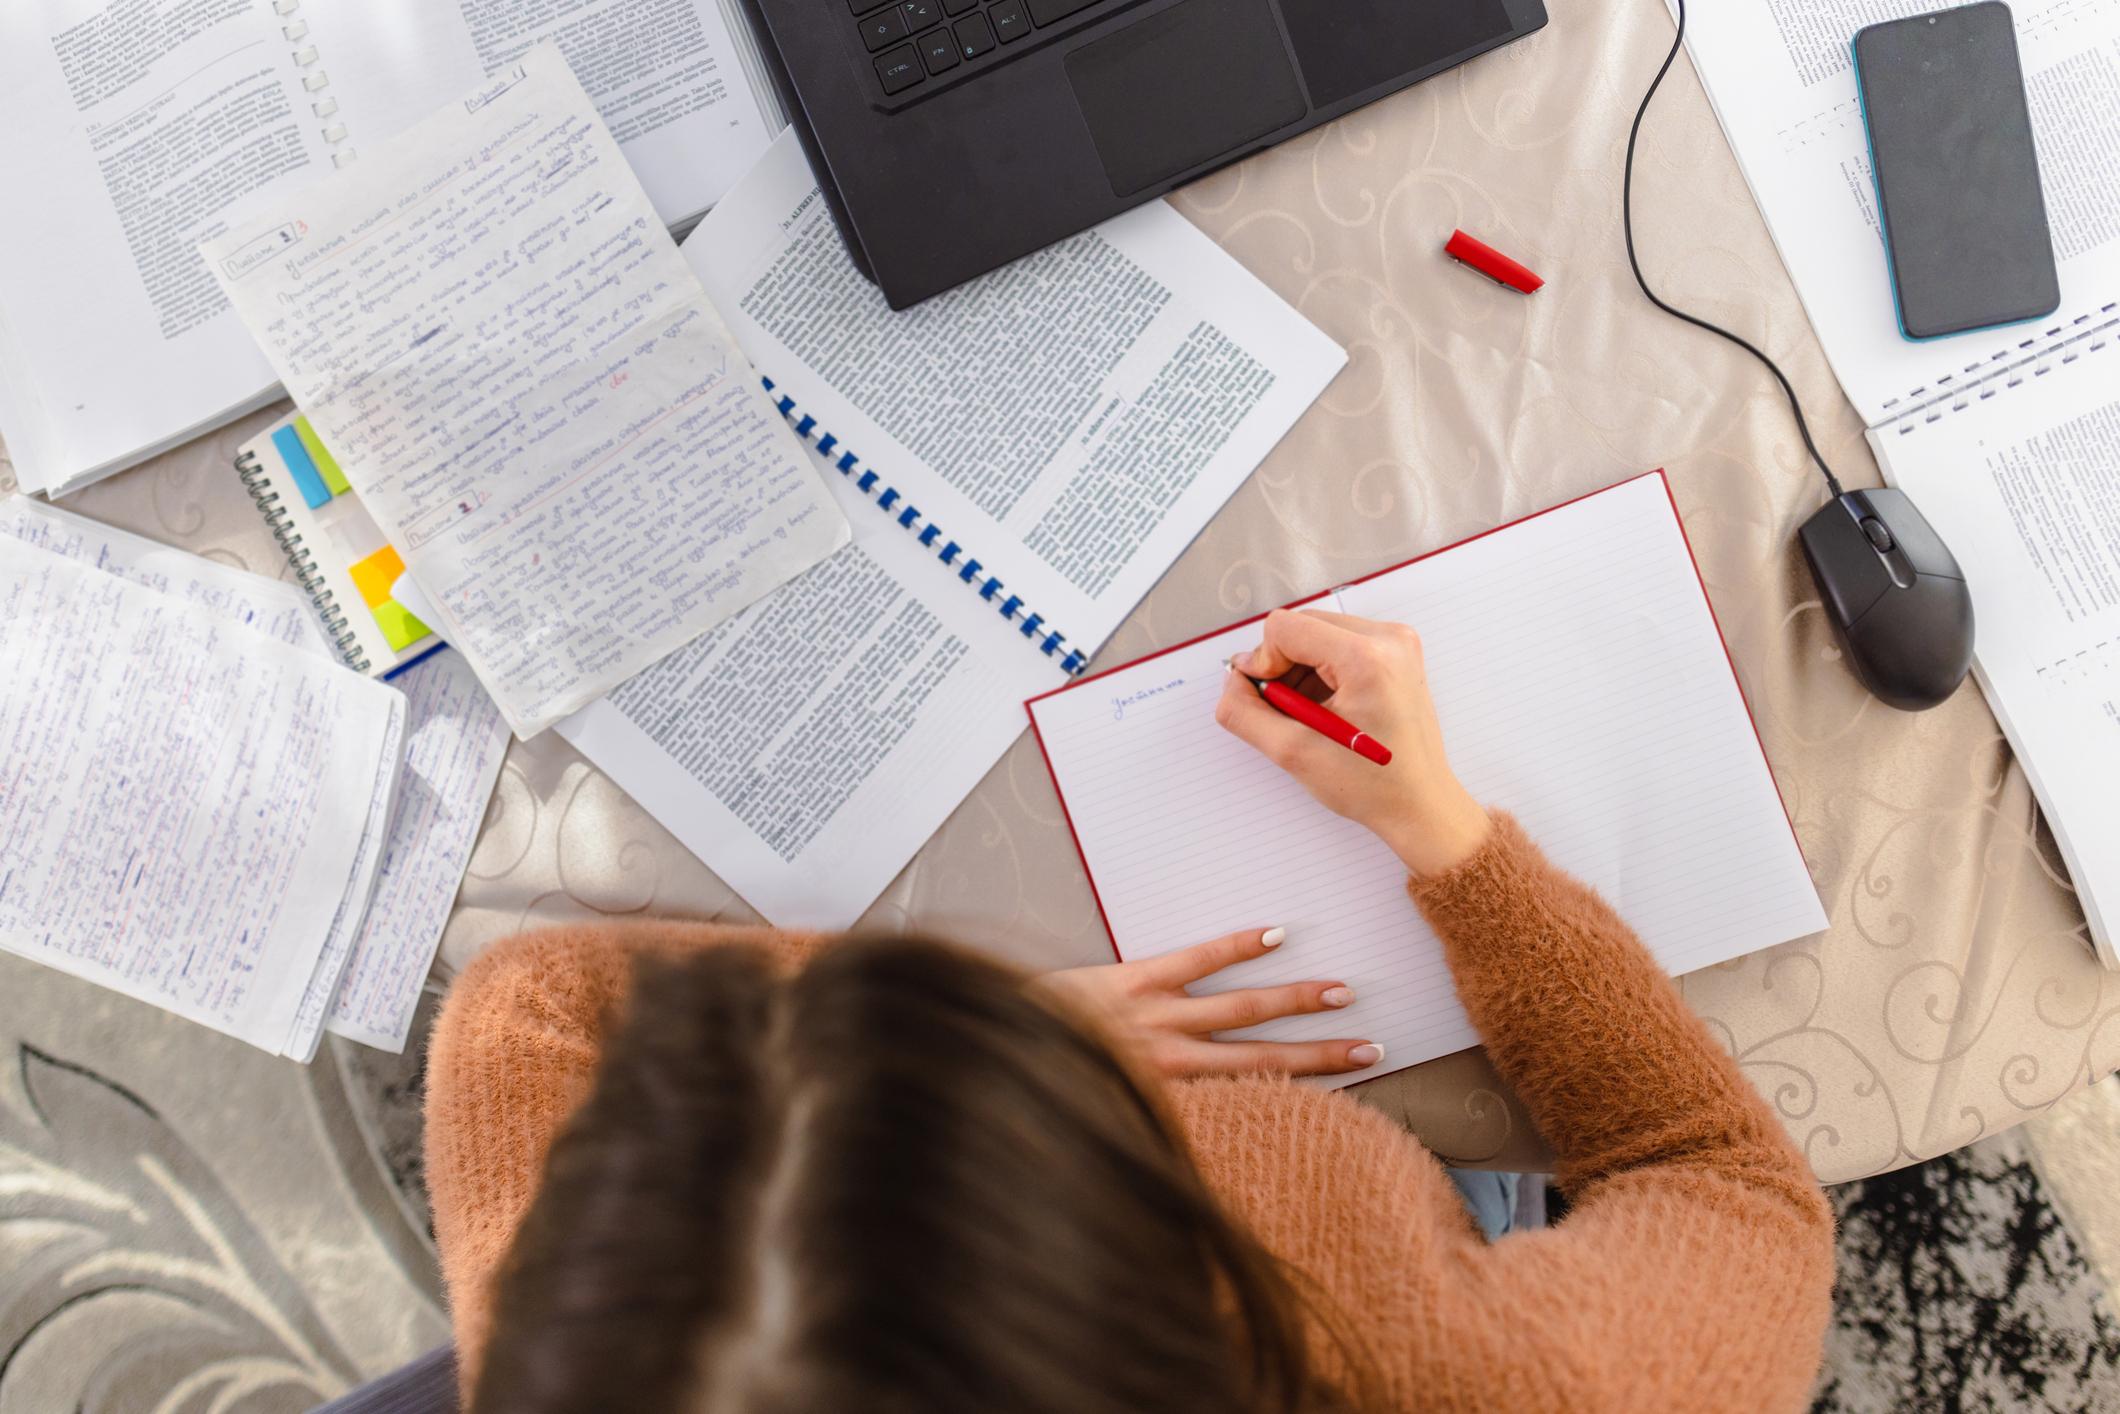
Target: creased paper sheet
{"points": [[488, 325]]}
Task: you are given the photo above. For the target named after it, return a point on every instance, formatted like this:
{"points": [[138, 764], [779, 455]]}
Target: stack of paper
{"points": [[253, 800]]}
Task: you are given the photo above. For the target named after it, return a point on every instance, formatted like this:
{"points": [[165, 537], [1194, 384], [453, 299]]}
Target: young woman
{"points": [[681, 1167]]}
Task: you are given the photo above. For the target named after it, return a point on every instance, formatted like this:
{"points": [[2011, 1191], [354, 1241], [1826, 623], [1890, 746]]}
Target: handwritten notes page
{"points": [[454, 742], [1582, 685], [190, 811], [486, 321]]}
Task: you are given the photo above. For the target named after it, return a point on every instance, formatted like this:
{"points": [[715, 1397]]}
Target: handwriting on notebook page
{"points": [[488, 325], [174, 798], [1581, 685]]}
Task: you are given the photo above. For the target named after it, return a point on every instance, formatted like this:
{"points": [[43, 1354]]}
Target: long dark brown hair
{"points": [[897, 1180]]}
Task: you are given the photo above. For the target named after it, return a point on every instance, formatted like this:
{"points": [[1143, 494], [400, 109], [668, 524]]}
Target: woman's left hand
{"points": [[1144, 1007]]}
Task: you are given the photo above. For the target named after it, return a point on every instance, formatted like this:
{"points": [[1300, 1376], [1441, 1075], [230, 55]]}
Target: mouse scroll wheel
{"points": [[1880, 537]]}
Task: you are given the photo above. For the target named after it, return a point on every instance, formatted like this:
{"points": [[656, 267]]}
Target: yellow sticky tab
{"points": [[326, 467], [400, 628], [375, 575]]}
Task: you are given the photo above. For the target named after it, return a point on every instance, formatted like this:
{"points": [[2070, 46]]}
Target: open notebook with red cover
{"points": [[1583, 686]]}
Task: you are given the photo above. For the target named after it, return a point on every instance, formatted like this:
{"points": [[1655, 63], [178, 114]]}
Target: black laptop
{"points": [[952, 136]]}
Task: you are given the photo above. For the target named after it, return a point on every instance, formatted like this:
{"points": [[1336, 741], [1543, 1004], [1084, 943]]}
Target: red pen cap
{"points": [[1491, 262]]}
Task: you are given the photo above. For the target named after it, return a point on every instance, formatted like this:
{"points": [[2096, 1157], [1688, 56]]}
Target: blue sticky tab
{"points": [[868, 480], [307, 479], [887, 499], [908, 516], [949, 551], [927, 537], [1030, 625]]}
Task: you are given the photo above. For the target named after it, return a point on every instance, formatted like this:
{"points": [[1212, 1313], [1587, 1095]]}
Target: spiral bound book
{"points": [[340, 556]]}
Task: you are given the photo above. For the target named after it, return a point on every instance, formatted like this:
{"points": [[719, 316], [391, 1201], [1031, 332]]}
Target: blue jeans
{"points": [[1501, 1203]]}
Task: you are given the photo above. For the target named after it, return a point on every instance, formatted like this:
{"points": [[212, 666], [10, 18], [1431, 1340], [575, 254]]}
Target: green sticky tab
{"points": [[400, 628], [326, 467]]}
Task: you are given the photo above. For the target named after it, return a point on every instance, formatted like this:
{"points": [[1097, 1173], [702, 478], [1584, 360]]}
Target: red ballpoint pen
{"points": [[1295, 706]]}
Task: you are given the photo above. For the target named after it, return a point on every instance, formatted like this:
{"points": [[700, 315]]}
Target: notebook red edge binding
{"points": [[1700, 580]]}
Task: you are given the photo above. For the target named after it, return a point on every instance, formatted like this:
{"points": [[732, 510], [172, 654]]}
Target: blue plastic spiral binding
{"points": [[891, 501]]}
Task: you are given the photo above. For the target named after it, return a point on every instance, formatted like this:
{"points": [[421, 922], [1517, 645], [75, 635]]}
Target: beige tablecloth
{"points": [[1954, 993]]}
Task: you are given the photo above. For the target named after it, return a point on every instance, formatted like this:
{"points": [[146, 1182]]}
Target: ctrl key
{"points": [[900, 69]]}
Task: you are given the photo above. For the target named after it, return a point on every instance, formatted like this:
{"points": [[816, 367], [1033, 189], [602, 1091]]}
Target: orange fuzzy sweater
{"points": [[1693, 1272]]}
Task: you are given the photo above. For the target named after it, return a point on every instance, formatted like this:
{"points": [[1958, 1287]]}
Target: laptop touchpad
{"points": [[1183, 87]]}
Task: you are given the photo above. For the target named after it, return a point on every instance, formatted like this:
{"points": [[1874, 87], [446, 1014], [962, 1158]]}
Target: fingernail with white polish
{"points": [[1336, 996], [1273, 937], [1368, 1053]]}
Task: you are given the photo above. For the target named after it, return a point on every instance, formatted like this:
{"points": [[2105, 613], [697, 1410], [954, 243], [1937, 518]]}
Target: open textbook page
{"points": [[1074, 417], [140, 128], [191, 811], [522, 379], [806, 749], [2024, 486], [1073, 420], [1583, 686], [1781, 79], [367, 981]]}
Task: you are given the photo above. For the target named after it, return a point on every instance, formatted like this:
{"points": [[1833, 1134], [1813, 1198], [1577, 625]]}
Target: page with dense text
{"points": [[1073, 419], [2022, 487], [134, 128]]}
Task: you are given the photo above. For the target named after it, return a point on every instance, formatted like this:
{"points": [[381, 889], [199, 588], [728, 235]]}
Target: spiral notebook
{"points": [[340, 556], [1582, 685]]}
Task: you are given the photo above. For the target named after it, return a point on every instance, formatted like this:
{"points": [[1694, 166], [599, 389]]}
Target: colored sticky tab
{"points": [[401, 629], [374, 575], [301, 466], [327, 465]]}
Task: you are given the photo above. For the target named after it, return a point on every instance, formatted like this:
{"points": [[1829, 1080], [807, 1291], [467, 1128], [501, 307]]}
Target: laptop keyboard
{"points": [[915, 41]]}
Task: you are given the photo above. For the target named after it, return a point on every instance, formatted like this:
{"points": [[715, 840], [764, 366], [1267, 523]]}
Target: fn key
{"points": [[899, 69]]}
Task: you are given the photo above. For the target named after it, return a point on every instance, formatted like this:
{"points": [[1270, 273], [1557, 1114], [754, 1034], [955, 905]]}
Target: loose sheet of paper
{"points": [[1582, 685], [1781, 79], [487, 323], [189, 810], [807, 748], [1074, 418], [275, 609], [2022, 486]]}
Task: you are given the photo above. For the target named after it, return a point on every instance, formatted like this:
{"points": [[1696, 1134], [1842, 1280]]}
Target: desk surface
{"points": [[1954, 993]]}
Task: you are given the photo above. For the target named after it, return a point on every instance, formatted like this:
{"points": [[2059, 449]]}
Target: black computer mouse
{"points": [[1895, 596]]}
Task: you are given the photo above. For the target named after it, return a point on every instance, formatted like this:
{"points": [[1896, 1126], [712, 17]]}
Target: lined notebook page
{"points": [[1582, 686]]}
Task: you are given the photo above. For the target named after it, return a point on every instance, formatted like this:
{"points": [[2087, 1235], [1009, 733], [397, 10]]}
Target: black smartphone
{"points": [[1957, 176]]}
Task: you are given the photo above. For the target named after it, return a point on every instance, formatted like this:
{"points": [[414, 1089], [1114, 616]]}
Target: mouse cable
{"points": [[1626, 207]]}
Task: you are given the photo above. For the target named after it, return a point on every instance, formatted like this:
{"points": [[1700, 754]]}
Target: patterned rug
{"points": [[1960, 1289]]}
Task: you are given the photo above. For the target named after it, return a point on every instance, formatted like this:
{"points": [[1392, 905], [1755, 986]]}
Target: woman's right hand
{"points": [[1374, 678]]}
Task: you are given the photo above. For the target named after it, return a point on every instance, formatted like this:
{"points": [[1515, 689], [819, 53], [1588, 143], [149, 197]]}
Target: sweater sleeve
{"points": [[514, 1054], [1695, 1267]]}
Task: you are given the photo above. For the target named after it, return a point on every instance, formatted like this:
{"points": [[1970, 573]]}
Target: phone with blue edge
{"points": [[1956, 171]]}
